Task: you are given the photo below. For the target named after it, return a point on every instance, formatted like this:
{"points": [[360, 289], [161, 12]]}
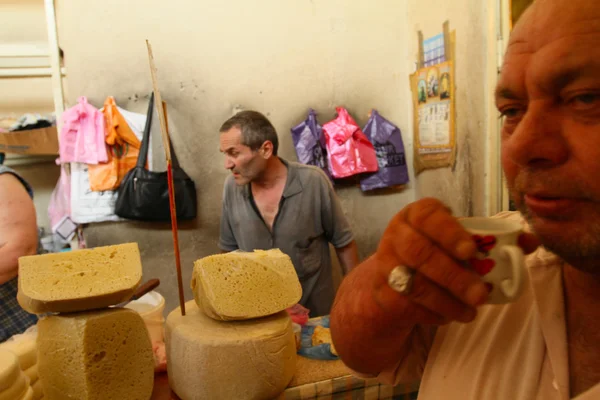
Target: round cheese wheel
{"points": [[9, 369], [32, 373], [224, 360], [28, 395], [38, 389], [25, 348], [18, 388]]}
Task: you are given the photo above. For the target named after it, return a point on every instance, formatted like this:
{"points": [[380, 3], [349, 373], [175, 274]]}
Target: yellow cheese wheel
{"points": [[38, 390], [24, 348], [28, 395], [9, 369], [17, 389], [32, 374]]}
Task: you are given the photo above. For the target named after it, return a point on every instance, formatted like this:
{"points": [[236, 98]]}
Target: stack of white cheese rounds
{"points": [[86, 349], [25, 349], [236, 340], [14, 384]]}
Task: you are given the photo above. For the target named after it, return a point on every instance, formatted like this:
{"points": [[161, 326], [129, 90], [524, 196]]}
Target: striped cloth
{"points": [[350, 388]]}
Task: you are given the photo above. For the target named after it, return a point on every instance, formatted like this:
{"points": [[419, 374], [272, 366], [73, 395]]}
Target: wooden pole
{"points": [[164, 131]]}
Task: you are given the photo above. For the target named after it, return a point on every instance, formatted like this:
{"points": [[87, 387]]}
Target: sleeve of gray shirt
{"points": [[226, 238], [336, 226]]}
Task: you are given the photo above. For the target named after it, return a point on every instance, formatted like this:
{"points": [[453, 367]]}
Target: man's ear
{"points": [[266, 150]]}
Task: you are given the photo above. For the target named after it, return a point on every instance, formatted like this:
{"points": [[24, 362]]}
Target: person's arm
{"points": [[348, 256], [18, 226]]}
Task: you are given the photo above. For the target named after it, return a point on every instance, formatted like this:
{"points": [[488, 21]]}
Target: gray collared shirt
{"points": [[310, 217]]}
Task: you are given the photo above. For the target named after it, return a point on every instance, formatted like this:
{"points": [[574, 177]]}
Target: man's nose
{"points": [[538, 140], [228, 163]]}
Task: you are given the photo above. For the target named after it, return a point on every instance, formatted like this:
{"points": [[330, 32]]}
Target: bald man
{"points": [[545, 345]]}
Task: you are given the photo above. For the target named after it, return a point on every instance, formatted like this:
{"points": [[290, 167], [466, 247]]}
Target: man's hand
{"points": [[425, 237]]}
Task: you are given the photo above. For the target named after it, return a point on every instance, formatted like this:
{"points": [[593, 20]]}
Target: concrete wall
{"points": [[24, 22], [277, 57], [463, 186]]}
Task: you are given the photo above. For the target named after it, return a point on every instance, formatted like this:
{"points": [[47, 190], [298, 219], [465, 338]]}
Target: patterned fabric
{"points": [[350, 388], [13, 319]]}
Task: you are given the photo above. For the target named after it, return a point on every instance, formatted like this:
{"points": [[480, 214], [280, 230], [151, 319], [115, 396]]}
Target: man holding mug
{"points": [[413, 311]]}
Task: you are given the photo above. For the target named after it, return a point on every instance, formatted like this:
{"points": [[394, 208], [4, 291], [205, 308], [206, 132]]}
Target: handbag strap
{"points": [[143, 155]]}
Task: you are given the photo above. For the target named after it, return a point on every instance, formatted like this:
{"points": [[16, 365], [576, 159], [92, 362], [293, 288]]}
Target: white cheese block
{"points": [[38, 390], [95, 355], [240, 285], [79, 280], [237, 360], [25, 348], [32, 373], [9, 369], [17, 389]]}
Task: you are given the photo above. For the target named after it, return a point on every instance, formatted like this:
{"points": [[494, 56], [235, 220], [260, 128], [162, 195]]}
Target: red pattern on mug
{"points": [[484, 243], [482, 267]]}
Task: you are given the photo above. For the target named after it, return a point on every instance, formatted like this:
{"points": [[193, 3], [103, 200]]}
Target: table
{"points": [[315, 379]]}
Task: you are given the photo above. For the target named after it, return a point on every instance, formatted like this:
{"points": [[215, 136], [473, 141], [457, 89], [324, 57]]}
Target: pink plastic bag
{"points": [[60, 201], [349, 152], [298, 314]]}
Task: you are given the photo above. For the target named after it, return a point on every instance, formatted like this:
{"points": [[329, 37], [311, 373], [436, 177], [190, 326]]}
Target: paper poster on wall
{"points": [[433, 101]]}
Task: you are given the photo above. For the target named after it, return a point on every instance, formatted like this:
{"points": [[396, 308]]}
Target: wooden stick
{"points": [[161, 114], [164, 131], [174, 219]]}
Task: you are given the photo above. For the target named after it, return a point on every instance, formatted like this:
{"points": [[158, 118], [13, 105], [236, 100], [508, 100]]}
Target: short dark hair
{"points": [[256, 129]]}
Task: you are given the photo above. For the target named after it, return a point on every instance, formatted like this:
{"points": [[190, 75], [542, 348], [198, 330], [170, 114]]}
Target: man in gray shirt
{"points": [[272, 203]]}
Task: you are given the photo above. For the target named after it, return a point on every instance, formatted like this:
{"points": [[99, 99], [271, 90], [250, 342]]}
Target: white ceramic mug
{"points": [[499, 261]]}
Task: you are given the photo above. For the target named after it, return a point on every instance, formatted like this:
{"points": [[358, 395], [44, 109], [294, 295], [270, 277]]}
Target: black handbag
{"points": [[144, 195]]}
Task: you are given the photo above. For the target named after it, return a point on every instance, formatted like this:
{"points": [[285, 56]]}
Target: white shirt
{"points": [[516, 351]]}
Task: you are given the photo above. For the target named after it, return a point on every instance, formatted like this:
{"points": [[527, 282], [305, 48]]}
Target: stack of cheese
{"points": [[14, 384], [25, 349], [88, 351], [236, 340]]}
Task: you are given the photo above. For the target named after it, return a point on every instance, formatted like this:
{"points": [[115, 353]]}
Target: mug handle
{"points": [[512, 287]]}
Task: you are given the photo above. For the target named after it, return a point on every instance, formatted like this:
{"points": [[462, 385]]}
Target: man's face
{"points": [[245, 164], [549, 93]]}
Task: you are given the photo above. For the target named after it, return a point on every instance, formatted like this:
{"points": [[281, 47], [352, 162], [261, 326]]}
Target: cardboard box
{"points": [[34, 141]]}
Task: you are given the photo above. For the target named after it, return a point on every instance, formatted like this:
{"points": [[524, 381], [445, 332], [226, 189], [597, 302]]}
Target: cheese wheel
{"points": [[32, 373], [240, 285], [9, 369], [217, 360], [25, 348], [38, 390], [79, 280], [96, 355], [17, 389], [28, 395]]}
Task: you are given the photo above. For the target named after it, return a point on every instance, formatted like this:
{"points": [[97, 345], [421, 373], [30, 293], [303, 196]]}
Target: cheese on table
{"points": [[229, 360], [24, 347], [9, 369], [95, 355], [32, 373], [38, 390], [240, 285], [79, 280], [28, 395], [17, 389]]}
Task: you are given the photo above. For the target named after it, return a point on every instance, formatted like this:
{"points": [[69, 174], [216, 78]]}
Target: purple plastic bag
{"points": [[309, 142], [387, 140]]}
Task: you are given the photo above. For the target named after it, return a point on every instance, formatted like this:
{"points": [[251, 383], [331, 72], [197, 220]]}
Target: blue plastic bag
{"points": [[320, 352], [309, 142], [391, 157]]}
